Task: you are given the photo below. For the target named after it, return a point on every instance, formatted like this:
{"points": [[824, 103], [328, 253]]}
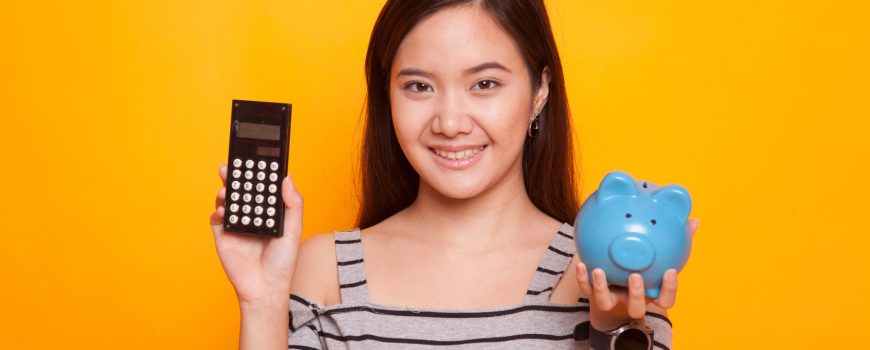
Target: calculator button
{"points": [[272, 188], [261, 176], [260, 187], [249, 174], [234, 208], [271, 200], [245, 220], [273, 166], [258, 210], [246, 197], [258, 198], [234, 196], [246, 209], [261, 165], [270, 223], [249, 164], [236, 185], [273, 177], [258, 221], [237, 163], [237, 173], [248, 186], [234, 219], [270, 211]]}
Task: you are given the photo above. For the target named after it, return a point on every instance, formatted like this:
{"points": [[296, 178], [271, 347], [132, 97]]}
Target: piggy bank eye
{"points": [[628, 215], [653, 221]]}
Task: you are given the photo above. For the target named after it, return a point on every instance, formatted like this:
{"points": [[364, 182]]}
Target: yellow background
{"points": [[115, 118]]}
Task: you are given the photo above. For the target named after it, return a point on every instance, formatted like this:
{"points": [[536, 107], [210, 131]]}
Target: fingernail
{"points": [[598, 276]]}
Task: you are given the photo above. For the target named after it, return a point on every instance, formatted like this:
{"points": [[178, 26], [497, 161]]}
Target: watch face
{"points": [[632, 339]]}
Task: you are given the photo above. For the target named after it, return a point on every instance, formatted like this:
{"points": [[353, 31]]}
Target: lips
{"points": [[459, 154], [457, 157]]}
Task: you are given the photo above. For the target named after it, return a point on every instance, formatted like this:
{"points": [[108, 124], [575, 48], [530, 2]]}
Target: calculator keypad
{"points": [[253, 194]]}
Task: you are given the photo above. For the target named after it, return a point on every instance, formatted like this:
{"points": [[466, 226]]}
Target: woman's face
{"points": [[462, 102]]}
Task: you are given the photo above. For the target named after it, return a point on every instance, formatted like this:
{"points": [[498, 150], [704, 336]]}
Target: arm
{"points": [[260, 270], [264, 324]]}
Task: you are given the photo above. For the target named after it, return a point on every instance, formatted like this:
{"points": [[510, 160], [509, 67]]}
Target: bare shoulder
{"points": [[316, 274]]}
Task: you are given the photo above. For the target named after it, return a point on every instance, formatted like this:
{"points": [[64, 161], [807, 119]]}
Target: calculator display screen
{"points": [[258, 131], [268, 151]]}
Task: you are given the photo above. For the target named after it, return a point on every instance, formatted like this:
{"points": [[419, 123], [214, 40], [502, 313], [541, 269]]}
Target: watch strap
{"points": [[598, 340]]}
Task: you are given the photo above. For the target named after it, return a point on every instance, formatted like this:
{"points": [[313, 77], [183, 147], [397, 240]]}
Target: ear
{"points": [[617, 183], [543, 92], [676, 198]]}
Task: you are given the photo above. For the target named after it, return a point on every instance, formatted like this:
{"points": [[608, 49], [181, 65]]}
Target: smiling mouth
{"points": [[457, 155]]}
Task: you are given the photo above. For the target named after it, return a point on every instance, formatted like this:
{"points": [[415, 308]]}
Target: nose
{"points": [[632, 252], [450, 117]]}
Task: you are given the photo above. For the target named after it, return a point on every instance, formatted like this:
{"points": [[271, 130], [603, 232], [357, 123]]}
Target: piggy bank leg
{"points": [[653, 293]]}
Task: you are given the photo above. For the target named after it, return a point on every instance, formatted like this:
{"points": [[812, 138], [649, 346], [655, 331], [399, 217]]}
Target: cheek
{"points": [[506, 116], [409, 119]]}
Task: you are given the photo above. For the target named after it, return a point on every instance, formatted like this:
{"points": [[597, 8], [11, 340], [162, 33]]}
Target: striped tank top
{"points": [[535, 324]]}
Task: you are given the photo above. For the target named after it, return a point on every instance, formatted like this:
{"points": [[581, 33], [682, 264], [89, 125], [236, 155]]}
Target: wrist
{"points": [[271, 302], [608, 320], [264, 322]]}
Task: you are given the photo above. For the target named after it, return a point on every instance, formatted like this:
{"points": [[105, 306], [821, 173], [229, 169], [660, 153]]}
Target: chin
{"points": [[458, 194], [462, 189]]}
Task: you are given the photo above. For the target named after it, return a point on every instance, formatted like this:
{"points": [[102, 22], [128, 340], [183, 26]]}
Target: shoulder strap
{"points": [[351, 268], [556, 261]]}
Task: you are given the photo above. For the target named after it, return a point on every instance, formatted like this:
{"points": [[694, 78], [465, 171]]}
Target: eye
{"points": [[485, 85], [416, 86], [628, 215], [653, 221]]}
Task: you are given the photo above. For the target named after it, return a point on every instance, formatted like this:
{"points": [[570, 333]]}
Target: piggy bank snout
{"points": [[632, 252]]}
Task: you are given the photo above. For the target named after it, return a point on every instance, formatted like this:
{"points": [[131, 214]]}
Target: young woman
{"points": [[468, 186]]}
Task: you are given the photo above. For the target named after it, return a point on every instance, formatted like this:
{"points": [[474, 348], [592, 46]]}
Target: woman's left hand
{"points": [[612, 307]]}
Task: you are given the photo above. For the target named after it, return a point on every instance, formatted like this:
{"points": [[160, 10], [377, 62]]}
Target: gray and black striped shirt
{"points": [[535, 324]]}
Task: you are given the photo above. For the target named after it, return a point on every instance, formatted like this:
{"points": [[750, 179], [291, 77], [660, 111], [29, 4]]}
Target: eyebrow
{"points": [[484, 66], [478, 68]]}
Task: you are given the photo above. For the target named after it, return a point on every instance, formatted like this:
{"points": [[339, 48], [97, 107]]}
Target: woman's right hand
{"points": [[259, 267]]}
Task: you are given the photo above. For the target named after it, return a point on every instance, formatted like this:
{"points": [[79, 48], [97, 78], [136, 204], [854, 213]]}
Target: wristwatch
{"points": [[630, 336]]}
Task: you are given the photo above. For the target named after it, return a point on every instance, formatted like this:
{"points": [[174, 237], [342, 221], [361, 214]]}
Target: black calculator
{"points": [[259, 148]]}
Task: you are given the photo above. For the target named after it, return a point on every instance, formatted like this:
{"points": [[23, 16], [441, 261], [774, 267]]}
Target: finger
{"points": [[603, 298], [583, 280], [636, 298], [668, 296], [217, 221], [293, 211], [693, 226], [221, 197], [222, 172]]}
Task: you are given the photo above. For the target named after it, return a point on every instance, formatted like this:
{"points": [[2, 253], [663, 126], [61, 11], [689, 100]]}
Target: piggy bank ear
{"points": [[617, 183], [676, 198]]}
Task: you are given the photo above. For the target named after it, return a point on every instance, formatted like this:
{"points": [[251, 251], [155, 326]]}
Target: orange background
{"points": [[115, 118]]}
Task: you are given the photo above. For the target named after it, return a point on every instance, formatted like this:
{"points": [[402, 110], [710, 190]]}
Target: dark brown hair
{"points": [[390, 184]]}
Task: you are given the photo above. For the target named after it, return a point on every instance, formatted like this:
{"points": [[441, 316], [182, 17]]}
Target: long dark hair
{"points": [[390, 184]]}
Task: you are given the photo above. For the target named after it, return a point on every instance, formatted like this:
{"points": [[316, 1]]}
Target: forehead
{"points": [[457, 38]]}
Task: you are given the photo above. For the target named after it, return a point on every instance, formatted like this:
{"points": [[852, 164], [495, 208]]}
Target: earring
{"points": [[533, 127]]}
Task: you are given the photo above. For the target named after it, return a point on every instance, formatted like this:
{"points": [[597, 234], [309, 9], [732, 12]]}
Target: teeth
{"points": [[458, 155]]}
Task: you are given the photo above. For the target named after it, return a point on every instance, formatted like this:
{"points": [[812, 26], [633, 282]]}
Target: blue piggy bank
{"points": [[629, 226]]}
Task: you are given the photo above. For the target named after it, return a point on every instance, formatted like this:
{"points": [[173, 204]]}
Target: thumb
{"points": [[293, 211], [693, 226]]}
